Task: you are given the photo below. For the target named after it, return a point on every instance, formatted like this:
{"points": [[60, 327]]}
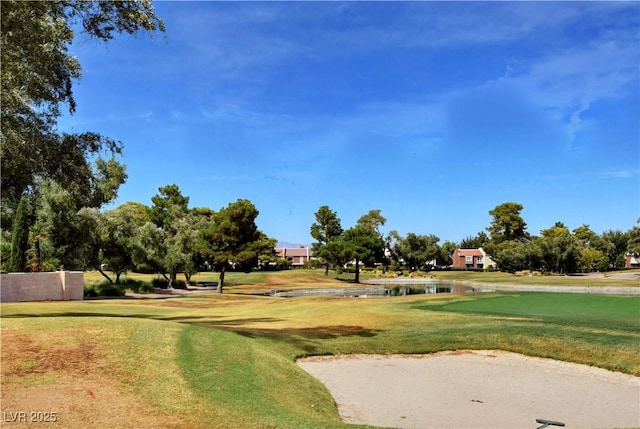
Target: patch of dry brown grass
{"points": [[71, 382]]}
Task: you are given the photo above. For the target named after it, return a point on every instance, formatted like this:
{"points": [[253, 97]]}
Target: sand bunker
{"points": [[475, 389]]}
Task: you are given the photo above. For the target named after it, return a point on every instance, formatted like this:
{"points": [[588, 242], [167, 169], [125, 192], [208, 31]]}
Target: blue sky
{"points": [[432, 112]]}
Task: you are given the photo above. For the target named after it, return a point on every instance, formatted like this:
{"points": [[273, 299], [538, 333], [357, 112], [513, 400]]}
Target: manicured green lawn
{"points": [[596, 311]]}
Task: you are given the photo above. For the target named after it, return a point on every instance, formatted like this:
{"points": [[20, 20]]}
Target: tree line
{"points": [[556, 250], [51, 229], [168, 237]]}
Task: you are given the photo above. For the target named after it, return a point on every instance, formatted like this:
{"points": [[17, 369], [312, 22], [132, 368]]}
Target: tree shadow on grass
{"points": [[347, 280], [209, 321], [309, 340], [306, 339]]}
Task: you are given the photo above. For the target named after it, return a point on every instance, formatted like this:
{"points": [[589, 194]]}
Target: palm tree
{"points": [[37, 233]]}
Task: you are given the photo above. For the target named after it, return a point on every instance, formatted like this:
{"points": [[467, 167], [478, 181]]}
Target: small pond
{"points": [[388, 290]]}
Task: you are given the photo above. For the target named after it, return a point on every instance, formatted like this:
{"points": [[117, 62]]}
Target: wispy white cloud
{"points": [[237, 178], [148, 116], [564, 82], [567, 83], [621, 173], [465, 23], [234, 54]]}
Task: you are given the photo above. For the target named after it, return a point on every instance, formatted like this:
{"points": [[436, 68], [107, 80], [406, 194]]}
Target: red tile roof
{"points": [[469, 252]]}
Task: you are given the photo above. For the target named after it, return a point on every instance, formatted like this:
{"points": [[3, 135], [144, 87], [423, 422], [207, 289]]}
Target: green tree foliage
{"points": [[325, 230], [37, 77], [363, 242], [445, 252], [232, 239], [20, 238], [512, 257], [169, 212], [117, 231], [182, 246], [561, 251], [150, 249], [37, 235], [613, 244], [474, 242], [415, 251], [593, 260], [168, 204], [69, 228], [373, 220], [584, 234], [633, 240], [507, 224], [558, 230]]}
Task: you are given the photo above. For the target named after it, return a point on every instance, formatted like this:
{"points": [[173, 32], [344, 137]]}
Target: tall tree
{"points": [[613, 244], [445, 253], [593, 259], [37, 235], [363, 242], [150, 249], [416, 251], [633, 239], [37, 78], [560, 250], [506, 223], [326, 229], [558, 230], [233, 239], [117, 233], [474, 242], [69, 228], [20, 238], [167, 203], [584, 234], [182, 246], [511, 257], [168, 213]]}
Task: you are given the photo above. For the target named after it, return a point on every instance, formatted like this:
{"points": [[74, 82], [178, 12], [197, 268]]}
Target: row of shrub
{"points": [[528, 273], [106, 288]]}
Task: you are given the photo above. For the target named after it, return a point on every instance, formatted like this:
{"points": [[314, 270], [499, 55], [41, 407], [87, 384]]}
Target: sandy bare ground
{"points": [[476, 389]]}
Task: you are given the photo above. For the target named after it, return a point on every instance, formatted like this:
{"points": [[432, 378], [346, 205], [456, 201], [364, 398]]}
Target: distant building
{"points": [[632, 260], [298, 256], [472, 258]]}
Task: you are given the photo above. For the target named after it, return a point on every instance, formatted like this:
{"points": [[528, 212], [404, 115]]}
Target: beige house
{"points": [[298, 256]]}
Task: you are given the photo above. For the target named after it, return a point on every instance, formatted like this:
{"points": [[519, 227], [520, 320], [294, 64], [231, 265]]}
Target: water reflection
{"points": [[415, 289], [389, 290]]}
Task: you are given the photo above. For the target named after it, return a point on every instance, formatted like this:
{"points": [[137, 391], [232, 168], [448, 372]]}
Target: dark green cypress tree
{"points": [[20, 238]]}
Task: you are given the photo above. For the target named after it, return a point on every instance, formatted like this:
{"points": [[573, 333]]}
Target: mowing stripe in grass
{"points": [[597, 311], [252, 385]]}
